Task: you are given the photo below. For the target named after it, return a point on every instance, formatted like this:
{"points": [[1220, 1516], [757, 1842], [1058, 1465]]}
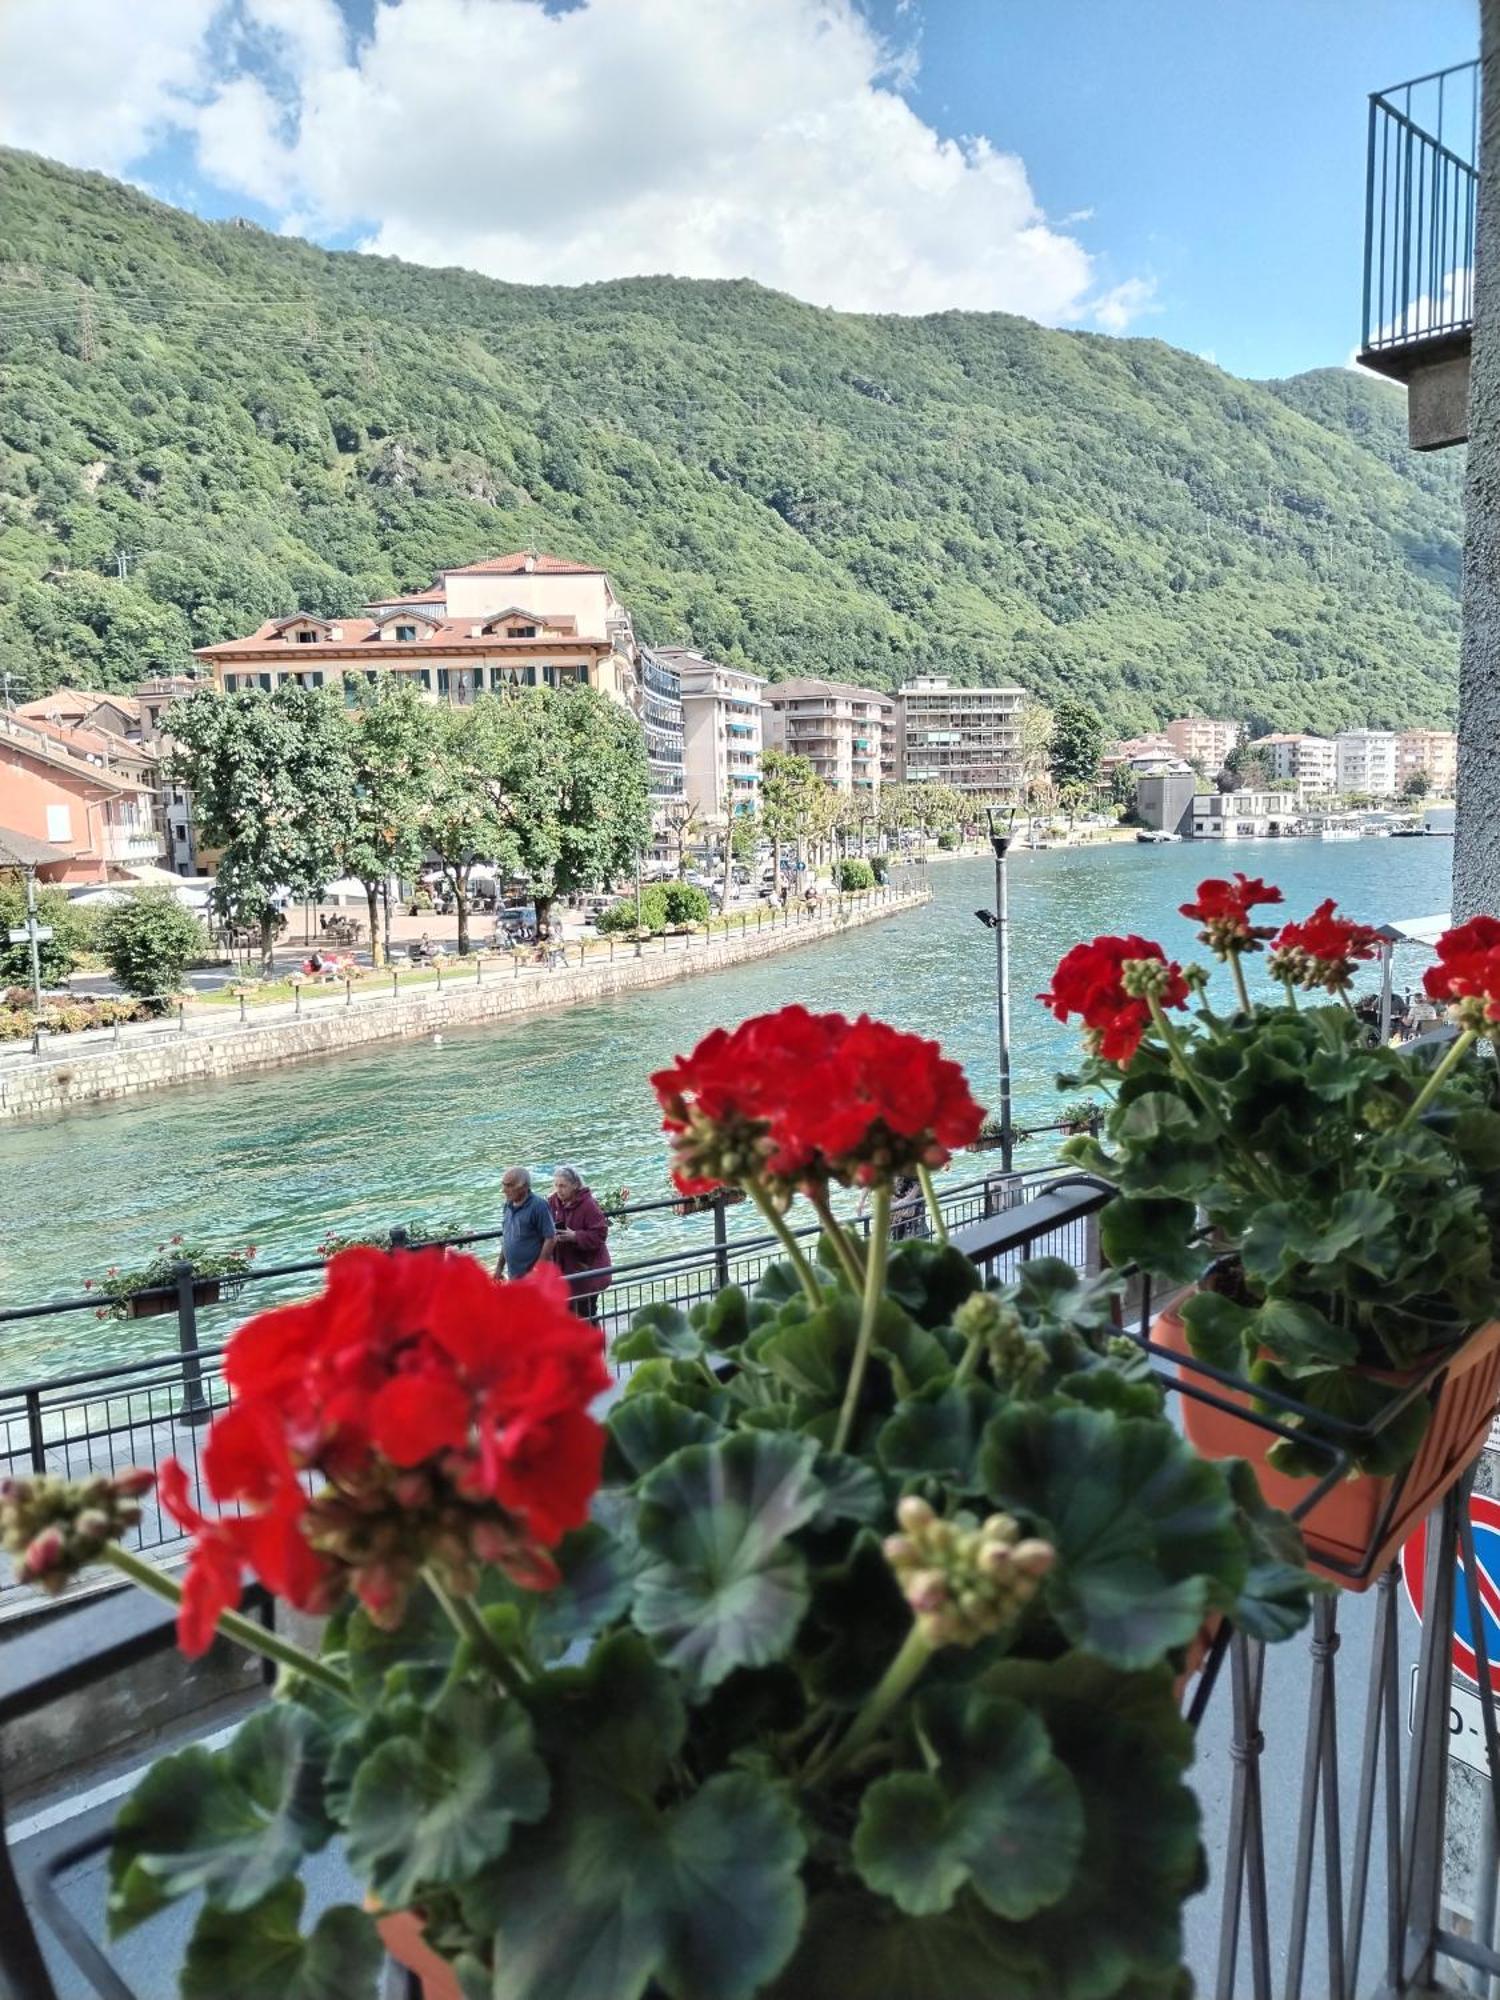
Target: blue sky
{"points": [[1187, 169]]}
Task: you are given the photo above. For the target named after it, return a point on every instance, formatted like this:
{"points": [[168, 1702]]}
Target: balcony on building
{"points": [[1421, 188]]}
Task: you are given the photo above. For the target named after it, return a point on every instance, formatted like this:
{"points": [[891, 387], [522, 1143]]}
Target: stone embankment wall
{"points": [[57, 1082]]}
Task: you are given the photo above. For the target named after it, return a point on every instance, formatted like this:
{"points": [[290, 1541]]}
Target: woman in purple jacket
{"points": [[582, 1241]]}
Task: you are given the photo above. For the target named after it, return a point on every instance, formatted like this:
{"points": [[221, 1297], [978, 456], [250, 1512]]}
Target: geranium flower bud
{"points": [[914, 1514]]}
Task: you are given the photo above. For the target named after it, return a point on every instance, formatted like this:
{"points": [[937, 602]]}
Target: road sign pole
{"points": [[36, 956]]}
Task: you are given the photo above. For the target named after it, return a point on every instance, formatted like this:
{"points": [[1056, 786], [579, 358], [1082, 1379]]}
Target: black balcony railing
{"points": [[1420, 193]]}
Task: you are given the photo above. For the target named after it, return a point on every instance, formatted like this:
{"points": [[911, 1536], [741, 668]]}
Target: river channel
{"points": [[418, 1130]]}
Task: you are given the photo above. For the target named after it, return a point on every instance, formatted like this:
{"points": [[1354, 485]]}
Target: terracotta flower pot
{"points": [[402, 1935], [206, 1292], [1355, 1529]]}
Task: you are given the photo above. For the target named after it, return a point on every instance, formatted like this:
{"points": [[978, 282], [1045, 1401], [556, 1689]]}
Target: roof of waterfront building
{"points": [[524, 562], [812, 690], [23, 850], [25, 739], [444, 635]]}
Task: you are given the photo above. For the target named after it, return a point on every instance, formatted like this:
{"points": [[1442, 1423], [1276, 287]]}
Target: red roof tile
{"points": [[523, 562]]}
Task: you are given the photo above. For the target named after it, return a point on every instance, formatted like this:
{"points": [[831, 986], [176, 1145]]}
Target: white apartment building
{"points": [[967, 737], [722, 710], [1367, 762], [1203, 740], [843, 731], [1433, 752], [1243, 815], [1309, 762]]}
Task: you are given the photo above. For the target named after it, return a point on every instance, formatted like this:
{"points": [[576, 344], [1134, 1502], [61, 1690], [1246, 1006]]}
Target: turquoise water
{"points": [[411, 1129]]}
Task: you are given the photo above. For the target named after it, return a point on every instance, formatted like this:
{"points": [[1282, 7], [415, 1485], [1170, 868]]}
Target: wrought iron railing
{"points": [[139, 1412], [1420, 204]]}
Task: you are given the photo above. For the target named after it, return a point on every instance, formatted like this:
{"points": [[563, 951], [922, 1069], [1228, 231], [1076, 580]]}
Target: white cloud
{"points": [[706, 138], [96, 82]]}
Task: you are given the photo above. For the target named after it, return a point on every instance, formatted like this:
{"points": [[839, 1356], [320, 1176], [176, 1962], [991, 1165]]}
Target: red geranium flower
{"points": [[1091, 981], [796, 1096], [442, 1410], [1223, 909], [1322, 951], [1468, 967]]}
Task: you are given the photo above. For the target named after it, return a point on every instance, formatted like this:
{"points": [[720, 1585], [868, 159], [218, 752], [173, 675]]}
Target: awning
{"points": [[1415, 930]]}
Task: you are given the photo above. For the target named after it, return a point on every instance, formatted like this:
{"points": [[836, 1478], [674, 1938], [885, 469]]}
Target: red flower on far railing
{"points": [[446, 1413], [1110, 984], [794, 1096], [1321, 952], [1468, 969], [1224, 910]]}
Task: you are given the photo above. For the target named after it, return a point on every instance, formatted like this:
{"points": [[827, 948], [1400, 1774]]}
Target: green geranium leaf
{"points": [[724, 1320], [1352, 1399], [644, 1430], [1276, 1600], [859, 1947], [659, 1331], [1357, 1225], [1053, 1298], [594, 1590], [612, 1895], [396, 1717], [1155, 1234], [234, 1823], [261, 1954], [616, 1722], [937, 1434], [1217, 1328], [811, 1354], [1166, 1146], [722, 1586], [930, 1280], [438, 1808], [1110, 1388], [777, 1286], [1145, 1542], [855, 1627], [1476, 1136], [684, 1381], [1302, 1339], [997, 1813], [852, 1491], [1126, 1747], [416, 1659]]}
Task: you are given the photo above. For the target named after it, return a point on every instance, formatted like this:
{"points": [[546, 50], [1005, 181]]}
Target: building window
{"points": [[307, 638], [59, 824], [406, 631]]}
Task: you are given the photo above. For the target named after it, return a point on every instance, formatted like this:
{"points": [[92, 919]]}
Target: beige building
{"points": [[520, 620], [722, 709], [843, 731], [1308, 762], [1202, 740], [969, 737], [1431, 751]]}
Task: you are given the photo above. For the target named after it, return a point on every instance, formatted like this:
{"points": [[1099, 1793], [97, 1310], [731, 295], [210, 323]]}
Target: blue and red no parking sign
{"points": [[1484, 1515]]}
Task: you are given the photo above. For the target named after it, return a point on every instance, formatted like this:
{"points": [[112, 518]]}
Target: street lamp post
{"points": [[999, 923]]}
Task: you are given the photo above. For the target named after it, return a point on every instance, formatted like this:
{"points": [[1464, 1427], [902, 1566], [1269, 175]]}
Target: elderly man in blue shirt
{"points": [[528, 1232]]}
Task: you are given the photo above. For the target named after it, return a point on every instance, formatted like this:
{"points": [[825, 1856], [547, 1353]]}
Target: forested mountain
{"points": [[243, 424]]}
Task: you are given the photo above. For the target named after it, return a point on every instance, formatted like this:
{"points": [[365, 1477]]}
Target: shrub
{"points": [[74, 930], [855, 874], [621, 916], [947, 842], [686, 903], [880, 868], [149, 941], [15, 1024]]}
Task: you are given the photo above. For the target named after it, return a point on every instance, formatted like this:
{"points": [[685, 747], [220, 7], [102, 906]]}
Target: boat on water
{"points": [[1156, 836], [1339, 833]]}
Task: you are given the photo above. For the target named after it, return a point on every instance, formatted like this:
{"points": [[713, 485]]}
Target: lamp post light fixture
{"points": [[998, 920]]}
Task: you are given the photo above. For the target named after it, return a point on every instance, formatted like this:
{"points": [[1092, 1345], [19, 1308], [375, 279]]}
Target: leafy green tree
{"points": [[685, 903], [1037, 723], [392, 745], [787, 801], [272, 777], [1418, 784], [1077, 740], [74, 929], [683, 820], [1247, 770], [150, 940], [601, 798], [466, 811]]}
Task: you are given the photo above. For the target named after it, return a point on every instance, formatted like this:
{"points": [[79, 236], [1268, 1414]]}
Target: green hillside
{"points": [[245, 424]]}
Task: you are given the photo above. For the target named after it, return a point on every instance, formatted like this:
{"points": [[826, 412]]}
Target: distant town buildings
{"points": [[1164, 800], [1202, 740], [845, 732], [1366, 762], [1308, 762], [969, 738], [1434, 753], [721, 715], [86, 792]]}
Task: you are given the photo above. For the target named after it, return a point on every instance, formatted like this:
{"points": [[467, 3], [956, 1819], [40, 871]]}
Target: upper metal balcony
{"points": [[1421, 187]]}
